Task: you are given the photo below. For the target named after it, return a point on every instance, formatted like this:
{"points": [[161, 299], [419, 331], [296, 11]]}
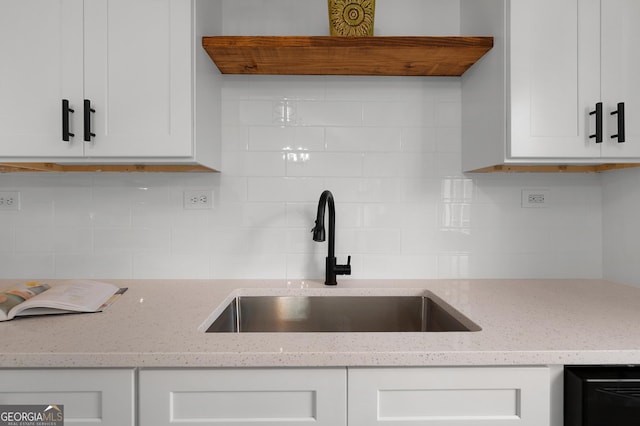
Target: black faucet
{"points": [[332, 268]]}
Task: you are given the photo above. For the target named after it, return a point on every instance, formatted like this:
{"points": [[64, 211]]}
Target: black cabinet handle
{"points": [[598, 114], [66, 134], [87, 120], [620, 113]]}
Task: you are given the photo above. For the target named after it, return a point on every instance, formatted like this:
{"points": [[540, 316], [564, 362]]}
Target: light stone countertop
{"points": [[160, 323]]}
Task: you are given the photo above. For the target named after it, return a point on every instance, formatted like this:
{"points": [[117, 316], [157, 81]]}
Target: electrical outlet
{"points": [[535, 198], [9, 200], [198, 199]]}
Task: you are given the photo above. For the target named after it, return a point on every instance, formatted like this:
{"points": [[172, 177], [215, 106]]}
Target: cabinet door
{"points": [[555, 79], [41, 51], [452, 396], [243, 397], [138, 77], [620, 65], [90, 397]]}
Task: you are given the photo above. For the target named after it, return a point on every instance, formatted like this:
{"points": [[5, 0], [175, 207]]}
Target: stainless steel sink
{"points": [[254, 314]]}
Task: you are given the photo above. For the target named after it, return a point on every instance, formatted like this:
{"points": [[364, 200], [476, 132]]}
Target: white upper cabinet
{"points": [[127, 70], [41, 50], [137, 61], [545, 93], [555, 79], [620, 65]]}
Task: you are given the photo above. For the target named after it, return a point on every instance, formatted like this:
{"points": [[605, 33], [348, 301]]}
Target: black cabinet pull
{"points": [[620, 113], [87, 120], [66, 134], [598, 114]]}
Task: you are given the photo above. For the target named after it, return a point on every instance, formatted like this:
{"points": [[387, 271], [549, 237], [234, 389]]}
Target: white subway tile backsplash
{"points": [[34, 239], [329, 113], [94, 265], [254, 163], [171, 266], [7, 240], [286, 189], [419, 139], [265, 215], [387, 148], [289, 139], [395, 113], [320, 164], [32, 265], [363, 139], [132, 239]]}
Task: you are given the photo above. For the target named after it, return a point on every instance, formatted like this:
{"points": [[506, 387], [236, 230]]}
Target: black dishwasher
{"points": [[602, 396]]}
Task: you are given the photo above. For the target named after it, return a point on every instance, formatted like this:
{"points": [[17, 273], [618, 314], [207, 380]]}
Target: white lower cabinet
{"points": [[243, 397], [90, 397], [466, 396], [452, 396]]}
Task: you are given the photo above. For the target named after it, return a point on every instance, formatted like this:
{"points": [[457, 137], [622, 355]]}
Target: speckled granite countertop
{"points": [[160, 323]]}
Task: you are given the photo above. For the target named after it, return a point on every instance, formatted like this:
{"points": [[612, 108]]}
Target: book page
{"points": [[78, 296], [17, 295]]}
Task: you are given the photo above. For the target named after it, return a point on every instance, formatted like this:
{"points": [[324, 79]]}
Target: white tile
{"points": [[363, 139], [300, 241], [93, 265], [7, 240], [419, 139], [34, 239], [235, 138], [383, 215], [390, 266], [253, 164], [32, 265], [130, 239], [448, 114], [171, 266], [294, 189], [301, 215], [397, 113], [255, 266], [289, 139], [74, 240], [265, 215], [189, 240], [329, 113], [256, 112], [318, 164]]}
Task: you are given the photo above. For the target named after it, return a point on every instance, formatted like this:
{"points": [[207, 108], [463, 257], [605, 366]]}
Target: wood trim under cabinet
{"points": [[551, 168], [138, 168]]}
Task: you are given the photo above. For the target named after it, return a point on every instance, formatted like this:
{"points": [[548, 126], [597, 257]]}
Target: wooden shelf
{"points": [[399, 56]]}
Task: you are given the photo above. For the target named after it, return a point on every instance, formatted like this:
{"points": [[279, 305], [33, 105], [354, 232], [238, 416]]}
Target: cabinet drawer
{"points": [[451, 396], [242, 397], [90, 397]]}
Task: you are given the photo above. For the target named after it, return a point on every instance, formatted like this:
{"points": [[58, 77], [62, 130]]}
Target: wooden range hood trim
{"points": [[326, 55], [138, 168]]}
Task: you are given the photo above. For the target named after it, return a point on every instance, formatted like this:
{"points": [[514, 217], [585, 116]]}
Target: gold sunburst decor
{"points": [[351, 18]]}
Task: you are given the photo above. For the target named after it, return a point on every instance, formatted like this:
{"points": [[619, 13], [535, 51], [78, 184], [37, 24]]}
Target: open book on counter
{"points": [[36, 298]]}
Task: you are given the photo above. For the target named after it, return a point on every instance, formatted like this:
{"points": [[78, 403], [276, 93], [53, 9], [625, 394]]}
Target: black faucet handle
{"points": [[344, 269]]}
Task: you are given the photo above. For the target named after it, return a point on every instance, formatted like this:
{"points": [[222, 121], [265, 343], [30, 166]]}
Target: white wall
{"points": [[388, 148], [621, 201]]}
